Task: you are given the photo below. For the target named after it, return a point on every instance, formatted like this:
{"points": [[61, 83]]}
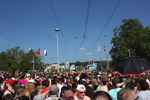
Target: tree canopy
{"points": [[130, 36], [16, 59]]}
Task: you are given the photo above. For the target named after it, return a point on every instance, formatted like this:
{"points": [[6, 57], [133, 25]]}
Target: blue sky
{"points": [[31, 24]]}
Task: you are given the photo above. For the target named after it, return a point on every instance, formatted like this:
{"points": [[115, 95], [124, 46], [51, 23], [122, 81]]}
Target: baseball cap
{"points": [[10, 81], [81, 87], [54, 88]]}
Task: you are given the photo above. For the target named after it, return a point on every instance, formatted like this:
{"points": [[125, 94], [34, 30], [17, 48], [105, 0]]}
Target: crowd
{"points": [[97, 85]]}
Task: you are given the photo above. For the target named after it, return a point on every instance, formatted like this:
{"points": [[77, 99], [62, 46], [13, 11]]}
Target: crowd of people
{"points": [[96, 85]]}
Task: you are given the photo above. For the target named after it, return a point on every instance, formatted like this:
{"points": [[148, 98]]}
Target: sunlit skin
{"points": [[81, 94]]}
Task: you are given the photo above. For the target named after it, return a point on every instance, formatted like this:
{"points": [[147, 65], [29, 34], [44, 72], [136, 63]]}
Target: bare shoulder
{"points": [[86, 98]]}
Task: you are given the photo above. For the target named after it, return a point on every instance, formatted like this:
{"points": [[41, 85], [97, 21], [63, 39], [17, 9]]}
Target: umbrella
{"points": [[132, 66]]}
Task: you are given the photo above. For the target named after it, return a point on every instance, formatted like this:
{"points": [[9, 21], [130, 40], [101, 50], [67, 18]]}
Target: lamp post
{"points": [[57, 30]]}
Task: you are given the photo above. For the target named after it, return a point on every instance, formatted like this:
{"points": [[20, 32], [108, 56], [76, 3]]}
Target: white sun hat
{"points": [[81, 87]]}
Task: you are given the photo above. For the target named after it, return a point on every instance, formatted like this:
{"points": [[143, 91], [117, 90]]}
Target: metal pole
{"points": [[101, 64], [107, 62], [129, 53], [57, 29], [57, 53]]}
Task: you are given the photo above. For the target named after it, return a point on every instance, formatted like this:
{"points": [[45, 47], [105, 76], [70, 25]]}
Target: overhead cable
{"points": [[104, 26], [58, 24], [85, 28]]}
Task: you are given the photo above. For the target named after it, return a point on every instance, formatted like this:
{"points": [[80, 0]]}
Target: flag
{"points": [[45, 52], [38, 51], [99, 49], [104, 47]]}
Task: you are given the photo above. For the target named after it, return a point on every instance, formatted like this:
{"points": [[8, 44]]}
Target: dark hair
{"points": [[45, 83], [22, 98], [144, 85], [102, 95], [8, 97], [1, 80], [115, 81], [131, 85], [20, 91]]}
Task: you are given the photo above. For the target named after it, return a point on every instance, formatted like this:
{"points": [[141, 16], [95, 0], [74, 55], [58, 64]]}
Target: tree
{"points": [[133, 36], [15, 58], [78, 63]]}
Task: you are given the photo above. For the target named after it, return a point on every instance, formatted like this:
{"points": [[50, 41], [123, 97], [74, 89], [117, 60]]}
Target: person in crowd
{"points": [[104, 85], [40, 95], [30, 86], [132, 85], [80, 94], [54, 91], [9, 89], [20, 94], [101, 95], [45, 84], [127, 94], [118, 85], [59, 84], [7, 97], [67, 95], [87, 82], [63, 89], [1, 87], [144, 93], [73, 86]]}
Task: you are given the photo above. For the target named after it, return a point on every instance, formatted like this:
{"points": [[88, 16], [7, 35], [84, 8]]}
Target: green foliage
{"points": [[78, 63], [130, 35], [15, 58]]}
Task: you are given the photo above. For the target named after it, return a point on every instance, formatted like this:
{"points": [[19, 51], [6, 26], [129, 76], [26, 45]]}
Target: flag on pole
{"points": [[38, 51], [104, 47], [45, 52]]}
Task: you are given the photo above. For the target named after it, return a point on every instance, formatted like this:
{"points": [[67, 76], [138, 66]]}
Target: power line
{"points": [[85, 28], [58, 24], [24, 26], [104, 26]]}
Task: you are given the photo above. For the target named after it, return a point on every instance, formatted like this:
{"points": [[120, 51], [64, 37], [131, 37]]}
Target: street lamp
{"points": [[57, 30]]}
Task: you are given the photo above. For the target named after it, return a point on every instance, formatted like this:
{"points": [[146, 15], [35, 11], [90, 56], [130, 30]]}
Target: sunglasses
{"points": [[82, 92]]}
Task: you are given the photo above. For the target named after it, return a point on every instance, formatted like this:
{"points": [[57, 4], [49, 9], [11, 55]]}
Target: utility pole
{"points": [[57, 30], [129, 53], [107, 62]]}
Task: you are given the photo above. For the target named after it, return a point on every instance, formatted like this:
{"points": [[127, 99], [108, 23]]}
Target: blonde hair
{"points": [[30, 87]]}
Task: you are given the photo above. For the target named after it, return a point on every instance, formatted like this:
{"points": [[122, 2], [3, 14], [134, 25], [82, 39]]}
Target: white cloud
{"points": [[83, 49], [3, 41], [88, 54]]}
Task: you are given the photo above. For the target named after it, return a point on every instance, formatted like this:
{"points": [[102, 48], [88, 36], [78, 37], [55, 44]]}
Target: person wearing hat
{"points": [[54, 90], [80, 94]]}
